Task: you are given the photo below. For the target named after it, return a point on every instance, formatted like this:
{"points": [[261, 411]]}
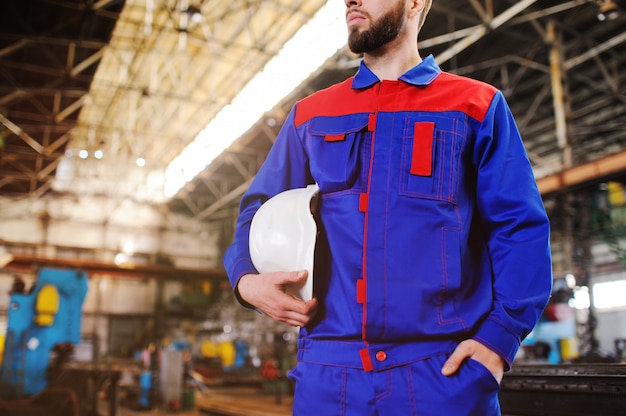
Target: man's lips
{"points": [[353, 18]]}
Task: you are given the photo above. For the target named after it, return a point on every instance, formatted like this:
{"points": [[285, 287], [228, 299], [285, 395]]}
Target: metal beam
{"points": [[86, 63], [483, 30], [21, 262], [13, 47], [593, 52], [588, 172], [21, 134], [560, 94], [71, 108], [101, 4], [219, 204]]}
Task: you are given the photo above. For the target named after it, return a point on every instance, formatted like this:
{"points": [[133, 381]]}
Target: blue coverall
{"points": [[431, 231]]}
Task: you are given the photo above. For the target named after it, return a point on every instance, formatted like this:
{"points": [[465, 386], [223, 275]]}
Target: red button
{"points": [[381, 355]]}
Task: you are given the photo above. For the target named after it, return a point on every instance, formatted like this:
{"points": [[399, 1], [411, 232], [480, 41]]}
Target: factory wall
{"points": [[98, 228]]}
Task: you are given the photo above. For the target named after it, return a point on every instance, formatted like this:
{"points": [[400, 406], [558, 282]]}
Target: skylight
{"points": [[310, 47]]}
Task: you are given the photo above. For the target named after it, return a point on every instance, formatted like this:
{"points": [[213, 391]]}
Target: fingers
{"points": [[261, 288], [477, 351], [267, 293], [294, 277], [296, 318], [292, 311], [492, 361], [463, 351]]}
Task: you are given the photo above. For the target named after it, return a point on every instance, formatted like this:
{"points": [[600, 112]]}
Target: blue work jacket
{"points": [[431, 226]]}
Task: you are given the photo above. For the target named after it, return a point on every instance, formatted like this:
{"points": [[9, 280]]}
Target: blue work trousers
{"points": [[414, 389]]}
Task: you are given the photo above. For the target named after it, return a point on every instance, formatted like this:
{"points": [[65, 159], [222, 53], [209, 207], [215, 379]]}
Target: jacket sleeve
{"points": [[285, 167], [517, 232]]}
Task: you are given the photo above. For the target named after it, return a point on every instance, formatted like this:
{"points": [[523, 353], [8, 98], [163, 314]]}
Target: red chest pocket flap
{"points": [[422, 154]]}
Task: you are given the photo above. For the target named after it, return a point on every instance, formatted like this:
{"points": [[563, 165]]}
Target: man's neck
{"points": [[393, 61]]}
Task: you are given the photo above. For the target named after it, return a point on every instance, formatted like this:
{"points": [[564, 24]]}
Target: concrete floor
{"points": [[156, 412], [244, 401], [221, 401]]}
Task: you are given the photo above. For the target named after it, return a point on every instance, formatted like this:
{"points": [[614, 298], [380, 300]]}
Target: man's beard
{"points": [[383, 31]]}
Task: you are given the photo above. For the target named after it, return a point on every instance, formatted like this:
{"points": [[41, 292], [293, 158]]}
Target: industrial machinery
{"points": [[597, 389], [42, 322]]}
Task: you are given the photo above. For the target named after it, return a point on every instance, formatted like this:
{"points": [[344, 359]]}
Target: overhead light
{"points": [[194, 13], [128, 247], [607, 10], [581, 299], [124, 261]]}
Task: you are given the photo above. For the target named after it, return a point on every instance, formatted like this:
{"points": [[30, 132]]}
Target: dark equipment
{"points": [[564, 390]]}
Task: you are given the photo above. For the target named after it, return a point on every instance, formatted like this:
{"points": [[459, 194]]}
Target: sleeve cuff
{"points": [[498, 339]]}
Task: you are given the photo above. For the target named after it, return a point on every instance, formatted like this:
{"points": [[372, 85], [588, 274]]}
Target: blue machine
{"points": [[48, 315]]}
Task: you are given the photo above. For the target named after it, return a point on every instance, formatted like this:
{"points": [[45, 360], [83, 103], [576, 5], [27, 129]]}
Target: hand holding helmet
{"points": [[283, 234], [266, 292], [282, 246]]}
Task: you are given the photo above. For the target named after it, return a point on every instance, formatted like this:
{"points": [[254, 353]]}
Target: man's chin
{"points": [[354, 43]]}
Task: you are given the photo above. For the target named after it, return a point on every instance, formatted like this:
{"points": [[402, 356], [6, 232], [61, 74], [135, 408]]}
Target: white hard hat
{"points": [[283, 234]]}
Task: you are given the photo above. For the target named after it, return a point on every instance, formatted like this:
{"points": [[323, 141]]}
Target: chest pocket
{"points": [[431, 152], [336, 151]]}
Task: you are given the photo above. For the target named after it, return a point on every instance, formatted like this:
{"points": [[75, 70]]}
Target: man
{"points": [[432, 260]]}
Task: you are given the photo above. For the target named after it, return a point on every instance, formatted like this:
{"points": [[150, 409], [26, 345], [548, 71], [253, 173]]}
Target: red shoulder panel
{"points": [[447, 92], [339, 99]]}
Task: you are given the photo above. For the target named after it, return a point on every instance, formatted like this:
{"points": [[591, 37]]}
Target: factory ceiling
{"points": [[131, 83]]}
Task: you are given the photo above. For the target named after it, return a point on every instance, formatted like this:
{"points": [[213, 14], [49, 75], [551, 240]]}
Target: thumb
{"points": [[296, 277], [455, 360]]}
